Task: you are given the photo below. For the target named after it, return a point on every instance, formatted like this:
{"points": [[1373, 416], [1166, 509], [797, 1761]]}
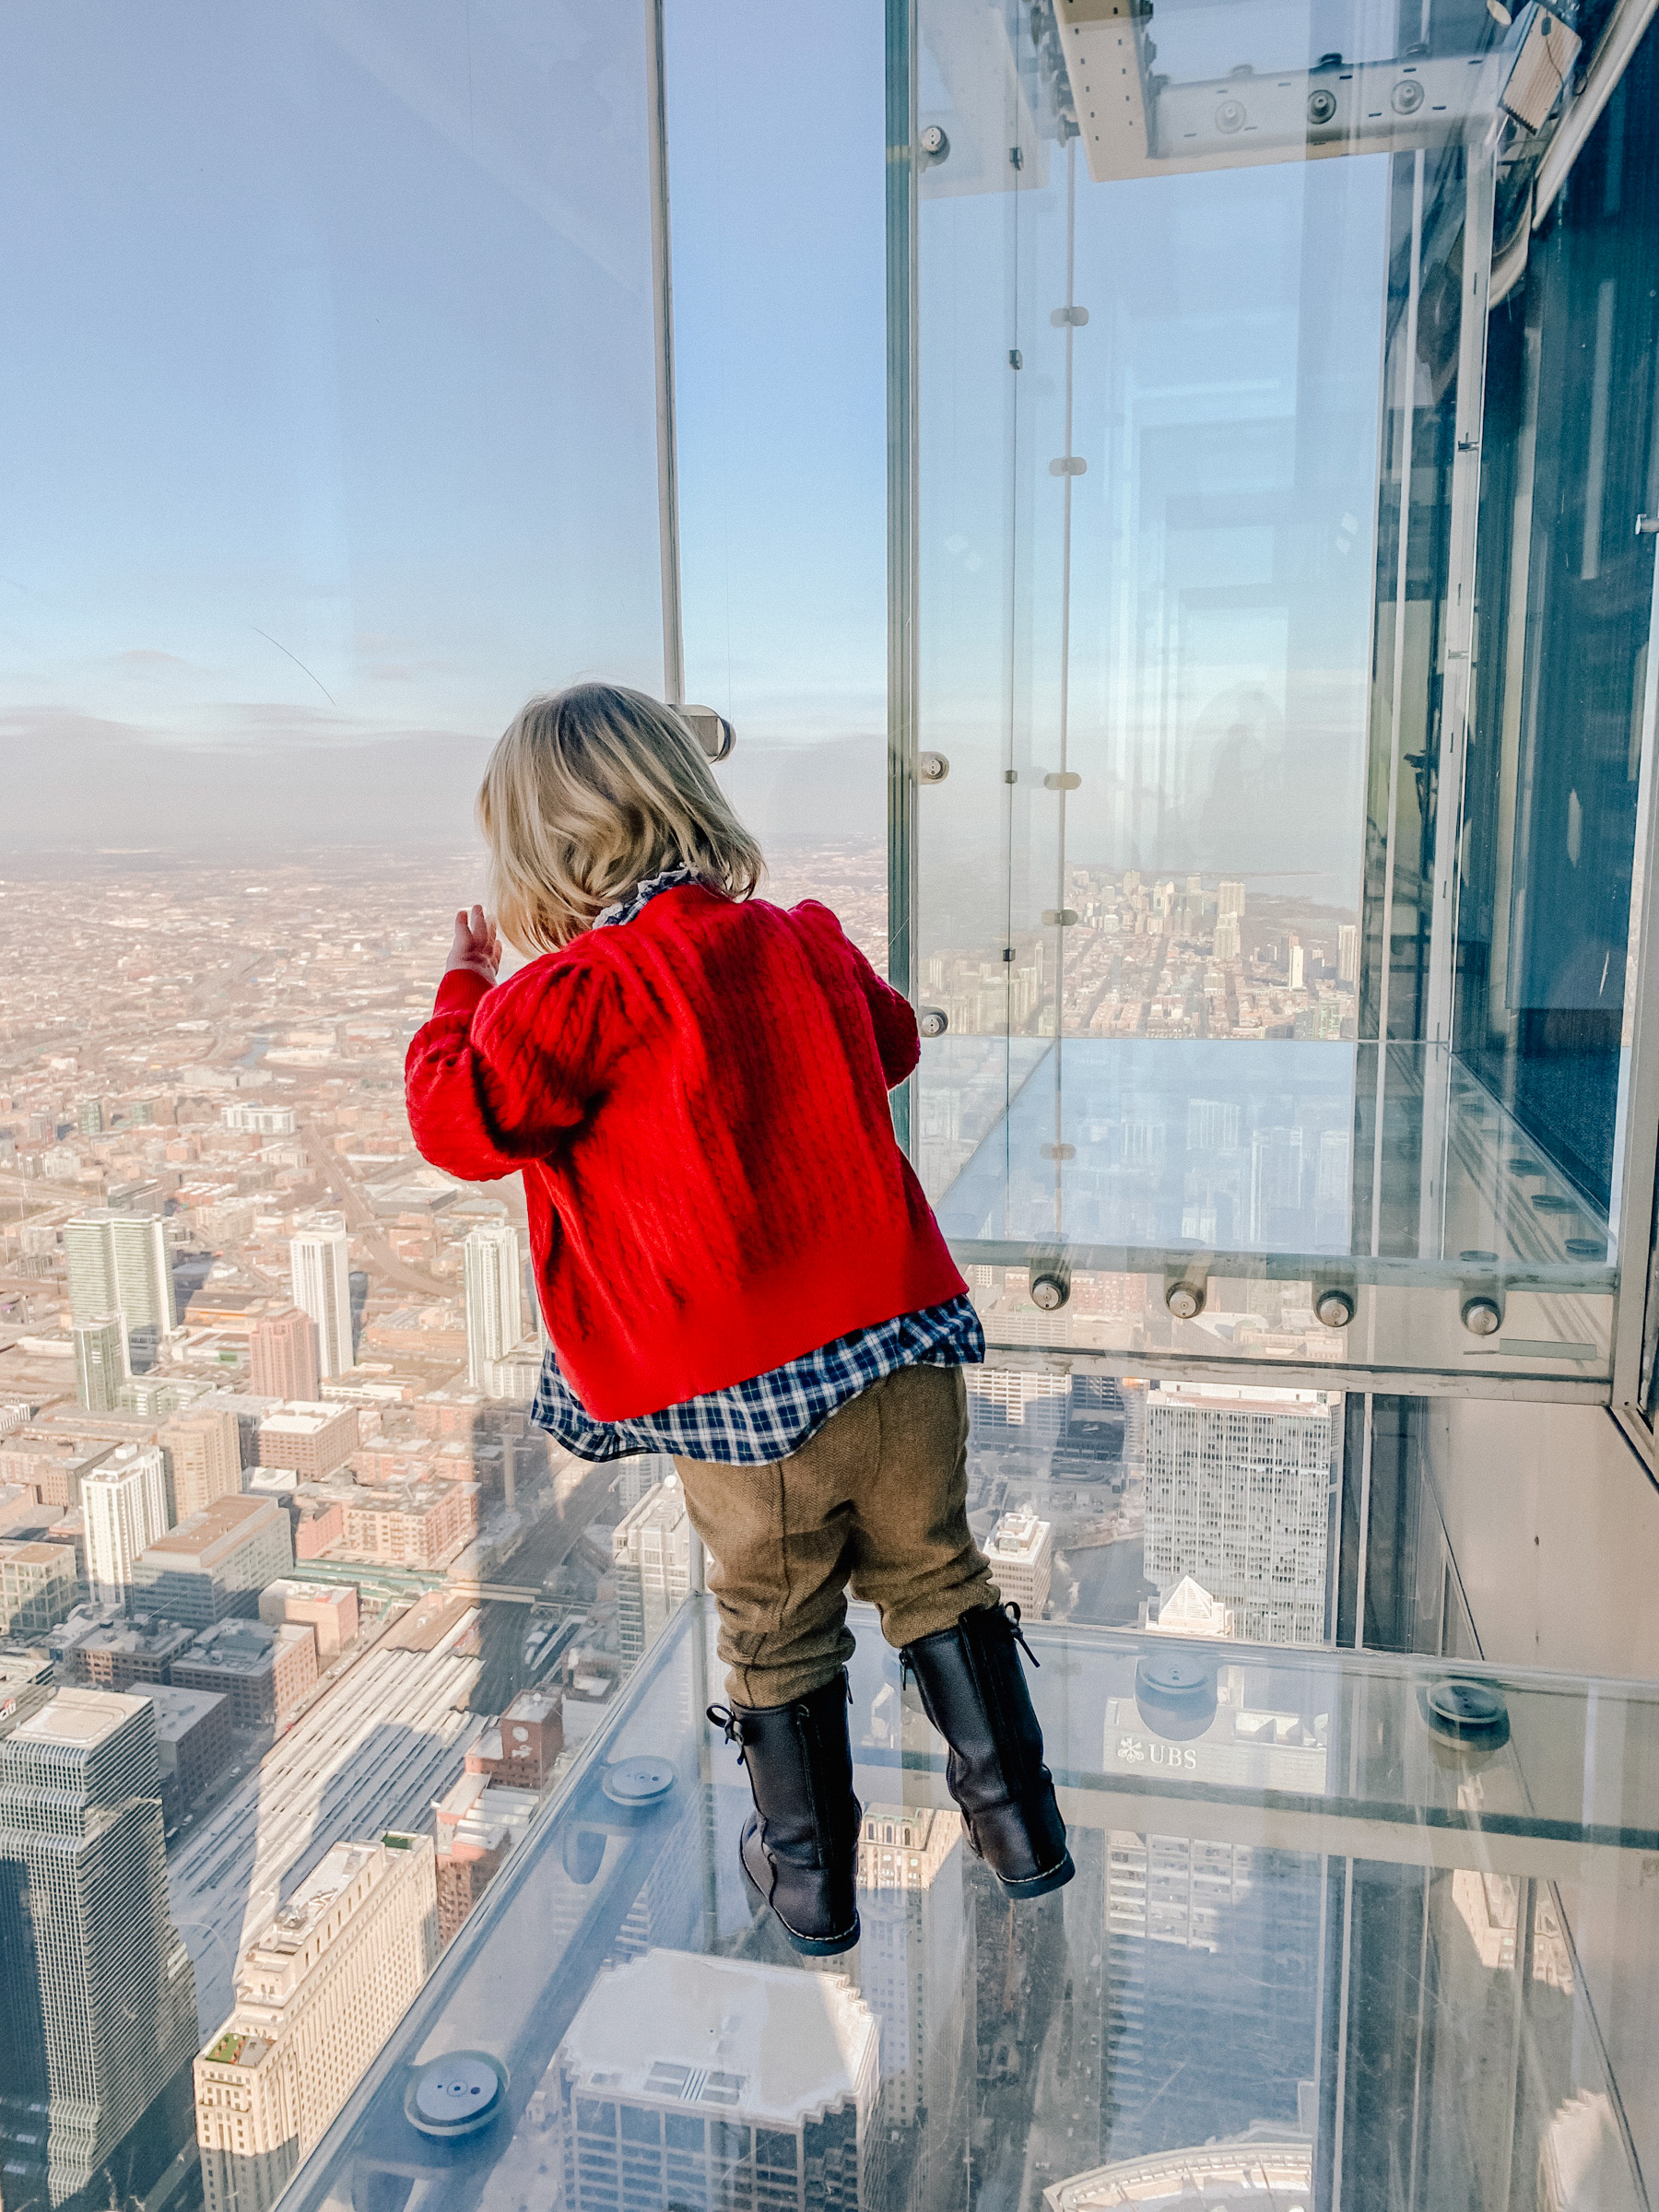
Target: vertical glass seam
{"points": [[661, 307], [901, 185]]}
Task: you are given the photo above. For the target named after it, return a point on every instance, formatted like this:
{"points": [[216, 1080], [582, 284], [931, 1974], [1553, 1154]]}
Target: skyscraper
{"points": [[1021, 1554], [1275, 1187], [118, 1262], [124, 1501], [323, 1288], [1238, 1490], [703, 2081], [914, 1958], [651, 1551], [100, 1362], [96, 1995], [494, 1302], [283, 1356], [1348, 953], [316, 1995], [1213, 1949], [203, 1446]]}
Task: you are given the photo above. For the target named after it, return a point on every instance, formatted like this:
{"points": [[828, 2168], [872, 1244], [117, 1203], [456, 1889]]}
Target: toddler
{"points": [[736, 1267]]}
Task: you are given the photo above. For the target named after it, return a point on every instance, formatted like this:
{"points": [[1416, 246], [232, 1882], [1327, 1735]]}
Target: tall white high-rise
{"points": [[124, 1501], [118, 1263], [1021, 1554], [734, 2082], [316, 1995], [913, 1965], [1348, 953], [495, 1313], [322, 1265], [651, 1551], [1238, 1492], [100, 1362]]}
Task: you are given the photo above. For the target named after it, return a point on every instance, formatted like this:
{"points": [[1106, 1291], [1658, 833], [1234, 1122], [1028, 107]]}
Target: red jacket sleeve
{"points": [[499, 1077], [897, 1040]]}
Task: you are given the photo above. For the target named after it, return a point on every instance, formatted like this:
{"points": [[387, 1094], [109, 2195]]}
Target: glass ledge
{"points": [[1395, 1181], [1332, 1911]]}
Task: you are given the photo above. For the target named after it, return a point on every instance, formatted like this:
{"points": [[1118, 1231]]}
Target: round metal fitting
{"points": [[933, 1021], [1229, 115], [1322, 107], [934, 142], [638, 1783], [1407, 97], [1049, 1292], [1185, 1301], [712, 730], [1482, 1315], [932, 768], [1335, 1308], [1461, 1711], [1175, 1694], [457, 2095]]}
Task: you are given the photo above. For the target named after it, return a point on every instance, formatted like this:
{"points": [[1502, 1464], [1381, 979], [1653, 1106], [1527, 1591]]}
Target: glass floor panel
{"points": [[1346, 1931], [1398, 1181]]}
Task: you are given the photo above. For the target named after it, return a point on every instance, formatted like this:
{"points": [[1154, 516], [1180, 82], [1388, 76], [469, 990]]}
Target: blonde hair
{"points": [[589, 791]]}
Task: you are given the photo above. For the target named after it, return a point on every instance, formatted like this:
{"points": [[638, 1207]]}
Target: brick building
{"points": [[314, 1438], [117, 1654], [477, 1823], [204, 1452], [264, 1671], [283, 1356], [417, 1527], [520, 1749], [192, 1736], [328, 1609], [50, 1465]]}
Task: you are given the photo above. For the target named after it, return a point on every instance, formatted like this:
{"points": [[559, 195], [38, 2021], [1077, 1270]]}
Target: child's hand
{"points": [[476, 948]]}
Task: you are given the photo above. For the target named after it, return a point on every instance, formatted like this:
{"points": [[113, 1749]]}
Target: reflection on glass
{"points": [[1317, 1943], [1282, 638]]}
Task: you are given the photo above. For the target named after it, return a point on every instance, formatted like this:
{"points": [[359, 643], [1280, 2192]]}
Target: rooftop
{"points": [[218, 1528], [26, 1552], [770, 2042], [139, 1632], [79, 1718], [178, 1711], [304, 1417], [241, 1646]]}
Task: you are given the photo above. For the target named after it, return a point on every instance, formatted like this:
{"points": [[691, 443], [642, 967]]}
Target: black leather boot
{"points": [[974, 1692], [800, 1844]]}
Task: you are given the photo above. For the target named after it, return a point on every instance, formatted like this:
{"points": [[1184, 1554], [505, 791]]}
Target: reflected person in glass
{"points": [[736, 1265]]}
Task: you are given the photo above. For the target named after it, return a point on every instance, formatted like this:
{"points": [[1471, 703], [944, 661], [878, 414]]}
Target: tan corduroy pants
{"points": [[876, 1501]]}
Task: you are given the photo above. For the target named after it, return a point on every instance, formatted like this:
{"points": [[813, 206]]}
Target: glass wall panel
{"points": [[1268, 586], [782, 438], [328, 418]]}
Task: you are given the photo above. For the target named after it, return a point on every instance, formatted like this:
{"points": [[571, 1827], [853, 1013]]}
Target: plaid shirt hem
{"points": [[756, 1423]]}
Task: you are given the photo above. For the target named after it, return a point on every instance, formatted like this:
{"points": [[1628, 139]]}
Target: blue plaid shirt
{"points": [[753, 1424]]}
